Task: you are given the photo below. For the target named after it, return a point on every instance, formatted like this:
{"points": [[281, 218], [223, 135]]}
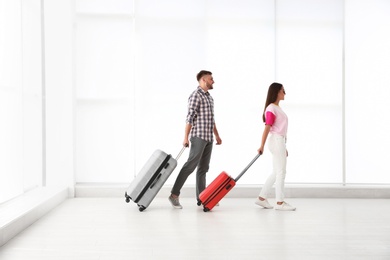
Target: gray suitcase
{"points": [[151, 178]]}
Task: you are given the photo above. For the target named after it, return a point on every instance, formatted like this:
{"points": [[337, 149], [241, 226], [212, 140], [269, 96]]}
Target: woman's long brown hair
{"points": [[272, 95]]}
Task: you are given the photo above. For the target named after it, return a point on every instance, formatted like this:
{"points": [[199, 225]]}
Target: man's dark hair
{"points": [[202, 73]]}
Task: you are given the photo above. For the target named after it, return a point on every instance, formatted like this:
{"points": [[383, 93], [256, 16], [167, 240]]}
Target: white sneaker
{"points": [[284, 206], [263, 203]]}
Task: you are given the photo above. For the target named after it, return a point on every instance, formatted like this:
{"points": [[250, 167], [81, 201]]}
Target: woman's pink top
{"points": [[277, 119]]}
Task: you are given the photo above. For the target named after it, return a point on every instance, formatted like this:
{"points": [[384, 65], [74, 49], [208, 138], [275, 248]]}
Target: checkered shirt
{"points": [[201, 114]]}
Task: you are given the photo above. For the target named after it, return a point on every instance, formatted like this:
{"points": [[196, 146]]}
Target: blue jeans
{"points": [[199, 157]]}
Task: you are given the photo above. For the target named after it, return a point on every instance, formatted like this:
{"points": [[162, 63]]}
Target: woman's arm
{"points": [[267, 128]]}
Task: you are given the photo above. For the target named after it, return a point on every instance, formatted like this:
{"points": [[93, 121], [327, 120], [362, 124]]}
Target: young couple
{"points": [[200, 128]]}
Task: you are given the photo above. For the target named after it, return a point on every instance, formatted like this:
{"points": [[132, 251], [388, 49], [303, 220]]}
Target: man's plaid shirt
{"points": [[201, 114]]}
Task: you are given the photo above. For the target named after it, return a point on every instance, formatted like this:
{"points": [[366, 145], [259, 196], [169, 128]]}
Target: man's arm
{"points": [[187, 131], [216, 134]]}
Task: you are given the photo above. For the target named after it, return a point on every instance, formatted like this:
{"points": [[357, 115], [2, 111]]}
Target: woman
{"points": [[276, 123]]}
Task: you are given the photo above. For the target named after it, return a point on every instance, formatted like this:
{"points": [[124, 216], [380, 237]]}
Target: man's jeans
{"points": [[200, 154]]}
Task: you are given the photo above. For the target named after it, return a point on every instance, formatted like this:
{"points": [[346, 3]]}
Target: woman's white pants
{"points": [[277, 146]]}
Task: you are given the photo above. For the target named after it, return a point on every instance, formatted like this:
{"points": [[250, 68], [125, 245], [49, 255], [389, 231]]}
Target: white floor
{"points": [[109, 228]]}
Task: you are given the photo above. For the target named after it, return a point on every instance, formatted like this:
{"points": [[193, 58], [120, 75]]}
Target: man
{"points": [[199, 129]]}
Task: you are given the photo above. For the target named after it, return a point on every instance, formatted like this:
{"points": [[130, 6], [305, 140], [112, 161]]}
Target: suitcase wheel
{"points": [[127, 198], [205, 209], [141, 208]]}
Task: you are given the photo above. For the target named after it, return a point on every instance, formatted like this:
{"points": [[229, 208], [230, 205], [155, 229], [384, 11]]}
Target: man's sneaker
{"points": [[284, 206], [175, 202], [263, 203]]}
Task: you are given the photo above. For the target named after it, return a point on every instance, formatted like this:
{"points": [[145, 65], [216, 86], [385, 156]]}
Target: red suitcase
{"points": [[219, 187]]}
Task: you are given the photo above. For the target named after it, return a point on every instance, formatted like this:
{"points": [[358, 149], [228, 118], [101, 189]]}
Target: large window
{"points": [[20, 97], [134, 66], [309, 61], [367, 91], [137, 103], [104, 78]]}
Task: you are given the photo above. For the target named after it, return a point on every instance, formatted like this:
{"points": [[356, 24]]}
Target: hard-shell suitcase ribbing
{"points": [[151, 178], [219, 187]]}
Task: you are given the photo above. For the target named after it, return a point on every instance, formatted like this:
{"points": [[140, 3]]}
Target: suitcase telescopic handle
{"points": [[182, 150], [247, 167]]}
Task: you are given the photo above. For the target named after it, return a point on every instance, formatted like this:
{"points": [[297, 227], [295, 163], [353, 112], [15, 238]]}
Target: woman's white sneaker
{"points": [[263, 203], [284, 206]]}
